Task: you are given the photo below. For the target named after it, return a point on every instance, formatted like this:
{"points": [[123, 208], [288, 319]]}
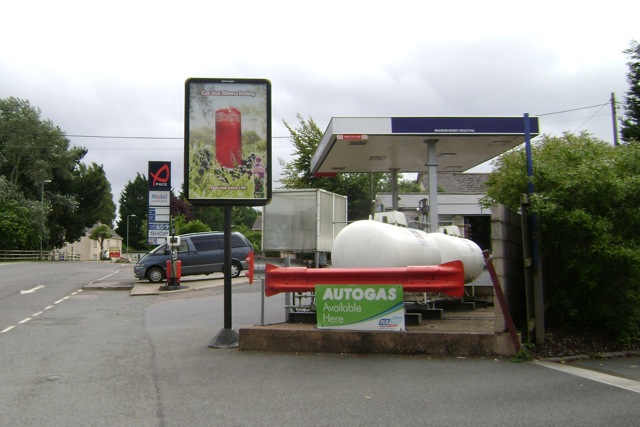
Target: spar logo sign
{"points": [[160, 176], [360, 307]]}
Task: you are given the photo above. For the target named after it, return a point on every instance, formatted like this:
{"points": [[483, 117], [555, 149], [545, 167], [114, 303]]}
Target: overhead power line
{"points": [[283, 137], [122, 137], [139, 137], [574, 109]]}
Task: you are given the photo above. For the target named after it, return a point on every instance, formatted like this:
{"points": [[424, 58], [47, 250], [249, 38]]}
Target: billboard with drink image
{"points": [[227, 141]]}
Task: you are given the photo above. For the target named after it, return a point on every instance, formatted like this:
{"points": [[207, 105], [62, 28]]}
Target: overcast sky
{"points": [[117, 69]]}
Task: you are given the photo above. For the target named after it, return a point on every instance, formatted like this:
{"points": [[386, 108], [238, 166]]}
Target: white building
{"points": [[459, 197], [89, 250]]}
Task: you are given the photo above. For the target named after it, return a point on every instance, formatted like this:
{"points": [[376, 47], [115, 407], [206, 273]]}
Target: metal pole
{"points": [[227, 267], [43, 218], [226, 337], [128, 236], [432, 164], [42, 222], [128, 233], [538, 293], [502, 301], [394, 189], [614, 117]]}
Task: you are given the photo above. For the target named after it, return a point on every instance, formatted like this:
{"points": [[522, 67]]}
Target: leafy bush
{"points": [[587, 197]]}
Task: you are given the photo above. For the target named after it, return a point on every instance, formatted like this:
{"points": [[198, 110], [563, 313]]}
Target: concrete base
{"points": [[458, 334]]}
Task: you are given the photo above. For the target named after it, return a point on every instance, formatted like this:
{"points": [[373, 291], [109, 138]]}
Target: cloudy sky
{"points": [[111, 75]]}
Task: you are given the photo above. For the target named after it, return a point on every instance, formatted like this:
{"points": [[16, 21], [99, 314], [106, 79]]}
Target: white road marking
{"points": [[624, 383], [49, 307], [32, 290], [106, 277]]}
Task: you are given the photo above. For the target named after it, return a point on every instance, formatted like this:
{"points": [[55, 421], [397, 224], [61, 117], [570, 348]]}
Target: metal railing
{"points": [[15, 255]]}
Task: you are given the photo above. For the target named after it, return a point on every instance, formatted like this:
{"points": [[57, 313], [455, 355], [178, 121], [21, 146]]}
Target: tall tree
{"points": [[94, 198], [631, 123], [21, 220], [358, 187], [134, 200], [34, 151]]}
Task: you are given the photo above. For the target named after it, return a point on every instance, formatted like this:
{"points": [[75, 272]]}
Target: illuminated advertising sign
{"points": [[360, 307], [227, 141], [159, 219], [160, 176]]}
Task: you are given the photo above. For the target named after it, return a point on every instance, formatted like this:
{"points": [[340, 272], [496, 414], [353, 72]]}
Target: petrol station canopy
{"points": [[383, 144]]}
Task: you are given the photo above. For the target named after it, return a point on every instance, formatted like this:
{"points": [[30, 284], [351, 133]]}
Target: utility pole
{"points": [[614, 117], [44, 219]]}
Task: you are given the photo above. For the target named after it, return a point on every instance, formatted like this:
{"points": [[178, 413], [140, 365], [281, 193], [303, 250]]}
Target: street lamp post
{"points": [[42, 206], [128, 233]]}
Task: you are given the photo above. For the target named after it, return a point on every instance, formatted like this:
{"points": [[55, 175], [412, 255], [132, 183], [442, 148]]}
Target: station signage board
{"points": [[159, 198], [159, 218], [160, 176], [360, 307], [159, 214]]}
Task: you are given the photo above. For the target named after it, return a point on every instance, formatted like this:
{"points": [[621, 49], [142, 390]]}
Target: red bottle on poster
{"points": [[228, 137]]}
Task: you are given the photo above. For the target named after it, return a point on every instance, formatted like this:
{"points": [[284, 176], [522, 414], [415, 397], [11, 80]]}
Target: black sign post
{"points": [[227, 158]]}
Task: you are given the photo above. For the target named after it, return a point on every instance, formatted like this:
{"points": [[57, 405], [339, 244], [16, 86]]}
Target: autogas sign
{"points": [[360, 307]]}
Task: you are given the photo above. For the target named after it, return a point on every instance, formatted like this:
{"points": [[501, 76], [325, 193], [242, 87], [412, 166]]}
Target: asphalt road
{"points": [[105, 358]]}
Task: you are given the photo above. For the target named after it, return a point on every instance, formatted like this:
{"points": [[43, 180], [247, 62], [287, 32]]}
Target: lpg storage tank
{"points": [[373, 244]]}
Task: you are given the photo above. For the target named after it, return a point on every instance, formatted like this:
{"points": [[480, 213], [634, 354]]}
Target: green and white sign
{"points": [[360, 307]]}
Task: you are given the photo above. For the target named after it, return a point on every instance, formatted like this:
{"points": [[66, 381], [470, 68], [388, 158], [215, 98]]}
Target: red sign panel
{"points": [[160, 176]]}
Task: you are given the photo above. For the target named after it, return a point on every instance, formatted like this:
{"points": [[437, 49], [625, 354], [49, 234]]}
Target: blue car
{"points": [[199, 253]]}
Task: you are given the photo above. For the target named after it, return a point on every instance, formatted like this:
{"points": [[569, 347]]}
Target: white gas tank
{"points": [[372, 244], [457, 248]]}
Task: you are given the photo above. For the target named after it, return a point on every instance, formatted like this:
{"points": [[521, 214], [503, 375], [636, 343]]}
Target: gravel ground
{"points": [[569, 343]]}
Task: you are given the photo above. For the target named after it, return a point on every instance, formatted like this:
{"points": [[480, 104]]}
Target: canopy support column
{"points": [[432, 164], [394, 189]]}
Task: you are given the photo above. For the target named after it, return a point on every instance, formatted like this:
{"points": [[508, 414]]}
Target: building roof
{"points": [[89, 230]]}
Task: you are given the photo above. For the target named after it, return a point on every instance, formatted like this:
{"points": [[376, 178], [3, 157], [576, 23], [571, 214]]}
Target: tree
{"points": [[21, 220], [100, 233], [180, 207], [193, 226], [587, 197], [358, 187], [34, 151], [243, 215], [630, 130], [94, 195], [94, 201], [134, 200]]}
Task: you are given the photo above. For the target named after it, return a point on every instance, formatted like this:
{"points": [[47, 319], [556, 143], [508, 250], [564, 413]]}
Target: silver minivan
{"points": [[199, 253]]}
